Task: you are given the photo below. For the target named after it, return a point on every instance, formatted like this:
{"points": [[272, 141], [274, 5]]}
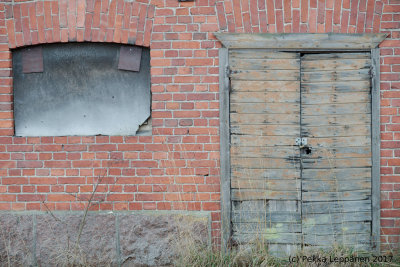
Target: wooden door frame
{"points": [[298, 42]]}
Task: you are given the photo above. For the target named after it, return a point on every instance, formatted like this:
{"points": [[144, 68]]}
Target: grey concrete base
{"points": [[107, 239]]}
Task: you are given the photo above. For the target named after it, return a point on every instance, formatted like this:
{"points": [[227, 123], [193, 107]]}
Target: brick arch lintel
{"points": [[39, 22]]}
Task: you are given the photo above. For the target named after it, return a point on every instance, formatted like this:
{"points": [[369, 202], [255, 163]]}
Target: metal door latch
{"points": [[301, 142]]}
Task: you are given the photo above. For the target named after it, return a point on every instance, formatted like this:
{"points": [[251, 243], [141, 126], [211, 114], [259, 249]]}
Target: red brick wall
{"points": [[177, 168]]}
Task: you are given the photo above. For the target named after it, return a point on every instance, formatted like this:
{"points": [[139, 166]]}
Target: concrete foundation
{"points": [[106, 239]]}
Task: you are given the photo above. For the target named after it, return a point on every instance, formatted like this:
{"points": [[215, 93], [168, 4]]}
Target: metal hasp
{"points": [[81, 92], [301, 141]]}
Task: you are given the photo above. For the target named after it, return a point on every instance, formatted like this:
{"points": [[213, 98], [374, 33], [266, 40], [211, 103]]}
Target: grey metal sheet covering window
{"points": [[81, 91]]}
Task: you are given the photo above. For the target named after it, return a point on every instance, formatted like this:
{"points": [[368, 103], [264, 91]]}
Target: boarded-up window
{"points": [[81, 89], [312, 191]]}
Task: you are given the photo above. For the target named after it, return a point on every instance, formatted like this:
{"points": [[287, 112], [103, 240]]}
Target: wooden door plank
{"points": [[336, 207], [339, 153], [265, 86], [264, 64], [265, 97], [268, 184], [331, 120], [325, 163], [266, 228], [249, 194], [244, 216], [266, 75], [266, 206], [266, 151], [276, 238], [337, 130], [276, 141], [265, 130], [263, 108], [272, 173], [339, 217], [335, 64], [338, 228], [347, 240], [264, 119], [336, 196], [326, 109], [336, 174], [329, 56], [334, 185], [340, 75], [333, 87], [262, 163], [333, 98], [329, 142]]}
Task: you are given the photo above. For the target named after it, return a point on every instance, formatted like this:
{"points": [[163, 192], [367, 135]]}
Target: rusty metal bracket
{"points": [[129, 58], [32, 59]]}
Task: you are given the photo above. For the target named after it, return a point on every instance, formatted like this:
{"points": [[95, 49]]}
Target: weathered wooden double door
{"points": [[300, 148]]}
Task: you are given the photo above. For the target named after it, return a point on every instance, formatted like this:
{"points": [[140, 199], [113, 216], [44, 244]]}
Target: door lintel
{"points": [[302, 41]]}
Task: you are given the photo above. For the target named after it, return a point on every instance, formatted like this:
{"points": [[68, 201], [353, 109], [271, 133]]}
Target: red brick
{"points": [[149, 197], [29, 164], [391, 9], [60, 197], [31, 197], [279, 20], [57, 164], [211, 206], [104, 147], [19, 148], [120, 197], [14, 180], [47, 14]]}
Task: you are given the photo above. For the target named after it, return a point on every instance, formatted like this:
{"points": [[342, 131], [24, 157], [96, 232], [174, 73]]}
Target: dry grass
{"points": [[200, 255]]}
